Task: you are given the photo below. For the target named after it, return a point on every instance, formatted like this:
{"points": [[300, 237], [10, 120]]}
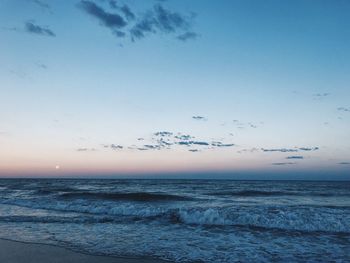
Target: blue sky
{"points": [[270, 80]]}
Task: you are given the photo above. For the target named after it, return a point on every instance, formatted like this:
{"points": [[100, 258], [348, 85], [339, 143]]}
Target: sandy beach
{"points": [[18, 252]]}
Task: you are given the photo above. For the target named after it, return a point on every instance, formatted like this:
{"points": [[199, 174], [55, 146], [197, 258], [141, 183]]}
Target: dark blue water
{"points": [[183, 220]]}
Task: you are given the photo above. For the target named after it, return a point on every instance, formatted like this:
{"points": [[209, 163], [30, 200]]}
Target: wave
{"points": [[298, 219], [138, 196], [253, 193], [306, 219], [257, 193], [56, 219], [54, 190]]}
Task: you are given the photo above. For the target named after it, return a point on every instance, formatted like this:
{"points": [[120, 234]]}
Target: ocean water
{"points": [[182, 220]]}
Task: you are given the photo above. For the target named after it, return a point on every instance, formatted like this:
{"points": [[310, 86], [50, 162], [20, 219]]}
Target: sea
{"points": [[182, 220]]}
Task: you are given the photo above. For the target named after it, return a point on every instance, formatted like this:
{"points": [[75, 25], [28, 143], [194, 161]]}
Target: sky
{"points": [[248, 89]]}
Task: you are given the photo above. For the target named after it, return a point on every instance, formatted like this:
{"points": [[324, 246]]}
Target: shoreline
{"points": [[12, 251]]}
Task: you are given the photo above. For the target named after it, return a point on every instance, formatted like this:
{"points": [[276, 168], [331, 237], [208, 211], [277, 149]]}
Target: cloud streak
{"points": [[188, 143], [113, 146], [305, 149], [199, 118], [220, 144], [30, 27], [282, 164], [288, 150], [321, 95], [295, 157], [86, 150], [343, 109], [163, 133], [187, 36], [283, 150]]}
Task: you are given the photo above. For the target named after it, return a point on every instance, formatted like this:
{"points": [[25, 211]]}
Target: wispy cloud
{"points": [[183, 137], [111, 20], [343, 109], [163, 133], [220, 144], [286, 150], [321, 95], [30, 27], [281, 164], [306, 149], [128, 14], [86, 150], [161, 20], [251, 150], [113, 146], [149, 147], [41, 65], [166, 140], [187, 36], [41, 4], [199, 118], [283, 150], [188, 143], [344, 163], [116, 147], [125, 22], [295, 157]]}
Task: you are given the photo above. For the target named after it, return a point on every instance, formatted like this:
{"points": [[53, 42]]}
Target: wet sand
{"points": [[18, 252]]}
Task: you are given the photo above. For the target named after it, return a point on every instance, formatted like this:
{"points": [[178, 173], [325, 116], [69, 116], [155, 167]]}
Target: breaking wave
{"points": [[285, 218]]}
